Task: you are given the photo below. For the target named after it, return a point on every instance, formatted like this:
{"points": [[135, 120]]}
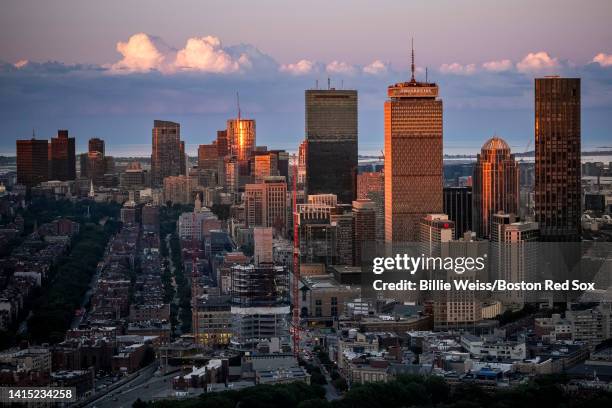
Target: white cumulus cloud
{"points": [[458, 69], [605, 60], [377, 67], [302, 67], [141, 53], [339, 67], [498, 66], [206, 54], [537, 61]]}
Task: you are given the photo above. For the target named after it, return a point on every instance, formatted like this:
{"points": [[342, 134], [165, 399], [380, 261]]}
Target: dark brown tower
{"points": [[557, 158], [32, 162], [63, 157], [167, 155]]}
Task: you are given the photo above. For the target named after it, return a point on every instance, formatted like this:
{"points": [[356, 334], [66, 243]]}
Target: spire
{"points": [[412, 65], [238, 103]]}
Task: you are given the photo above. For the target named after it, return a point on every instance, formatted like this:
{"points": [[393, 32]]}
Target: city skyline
{"points": [[143, 71]]}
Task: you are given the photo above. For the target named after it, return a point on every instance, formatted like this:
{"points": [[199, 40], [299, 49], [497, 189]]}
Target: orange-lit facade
{"points": [[413, 158], [241, 138], [495, 184]]}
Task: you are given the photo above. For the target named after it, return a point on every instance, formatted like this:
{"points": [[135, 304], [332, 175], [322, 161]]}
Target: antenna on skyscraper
{"points": [[328, 83], [33, 134], [238, 103], [316, 84], [342, 84], [426, 81], [412, 65]]}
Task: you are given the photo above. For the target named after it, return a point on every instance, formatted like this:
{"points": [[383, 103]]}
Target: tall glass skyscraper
{"points": [[331, 138], [557, 158]]}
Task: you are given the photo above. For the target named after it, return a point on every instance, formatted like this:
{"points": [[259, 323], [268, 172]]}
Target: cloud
{"points": [[536, 62], [142, 53], [206, 54], [21, 63], [302, 67], [377, 67], [498, 66], [458, 69], [605, 60], [339, 67]]}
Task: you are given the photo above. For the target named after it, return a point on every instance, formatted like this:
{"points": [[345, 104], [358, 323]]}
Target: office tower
{"points": [[167, 158], [264, 165], [341, 218], [183, 158], [94, 163], [266, 204], [96, 167], [458, 206], [134, 177], [63, 157], [83, 164], [254, 205], [459, 309], [371, 186], [331, 137], [513, 254], [241, 138], [282, 162], [32, 162], [364, 230], [557, 158], [221, 143], [413, 157], [96, 145], [435, 229], [262, 236], [259, 305], [317, 235], [495, 183], [208, 156], [302, 162]]}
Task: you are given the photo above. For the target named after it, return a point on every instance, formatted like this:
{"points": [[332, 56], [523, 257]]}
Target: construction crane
{"points": [[194, 280], [296, 267]]}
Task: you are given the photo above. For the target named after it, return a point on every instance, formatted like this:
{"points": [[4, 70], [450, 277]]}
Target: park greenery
{"points": [[53, 306], [405, 391]]}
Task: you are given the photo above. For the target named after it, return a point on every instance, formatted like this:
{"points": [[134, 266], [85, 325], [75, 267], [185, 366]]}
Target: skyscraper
{"points": [[95, 162], [32, 162], [166, 154], [63, 157], [413, 157], [371, 186], [331, 137], [557, 158], [458, 206], [241, 137], [364, 230], [96, 145], [495, 183], [262, 237], [208, 156], [266, 204], [222, 148]]}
